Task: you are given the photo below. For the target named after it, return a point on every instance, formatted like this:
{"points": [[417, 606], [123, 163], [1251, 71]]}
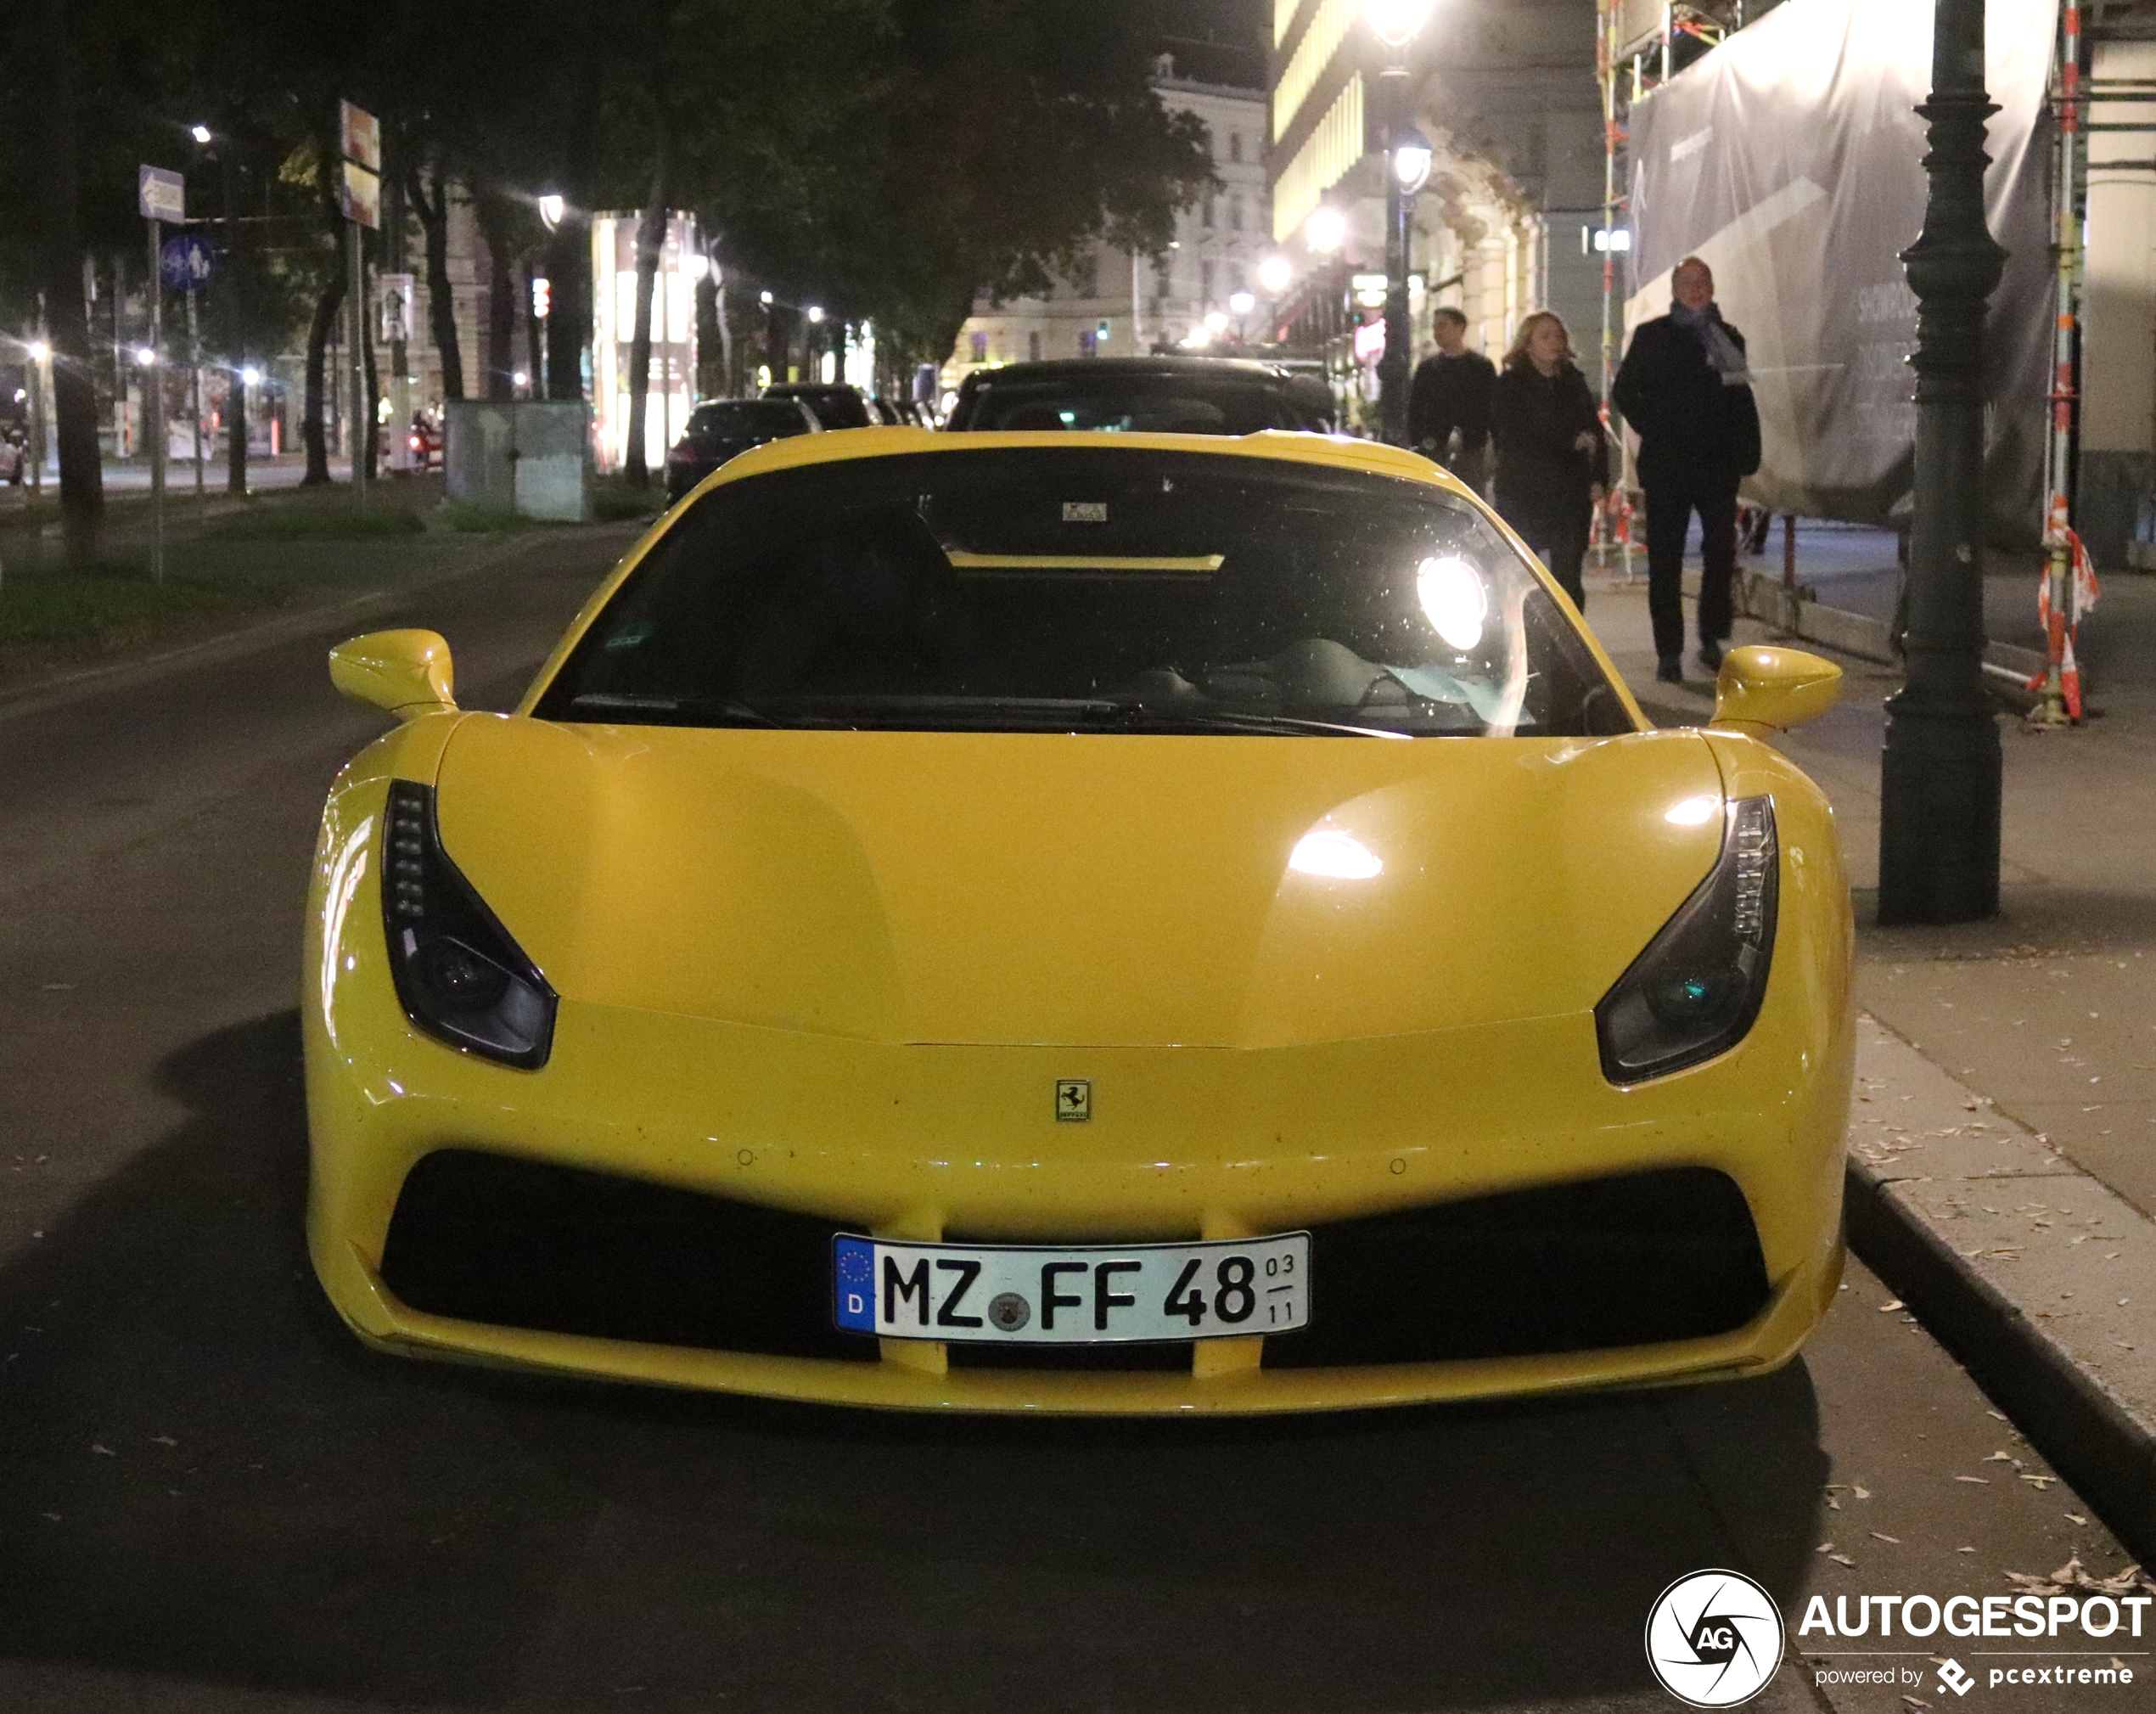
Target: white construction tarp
{"points": [[1790, 158]]}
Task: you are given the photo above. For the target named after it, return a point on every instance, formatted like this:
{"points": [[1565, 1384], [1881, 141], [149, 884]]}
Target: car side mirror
{"points": [[1762, 690], [407, 673]]}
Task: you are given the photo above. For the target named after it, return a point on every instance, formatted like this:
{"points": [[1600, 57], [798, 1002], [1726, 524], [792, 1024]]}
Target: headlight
{"points": [[459, 974], [1696, 989]]}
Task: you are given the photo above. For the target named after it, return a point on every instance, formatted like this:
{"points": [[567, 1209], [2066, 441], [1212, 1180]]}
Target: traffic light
{"points": [[542, 297]]}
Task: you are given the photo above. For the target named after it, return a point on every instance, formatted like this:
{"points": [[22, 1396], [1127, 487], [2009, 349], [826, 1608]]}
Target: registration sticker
{"points": [[1085, 511], [1014, 1294]]}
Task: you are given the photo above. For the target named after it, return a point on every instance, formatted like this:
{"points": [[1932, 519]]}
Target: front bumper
{"points": [[932, 1141]]}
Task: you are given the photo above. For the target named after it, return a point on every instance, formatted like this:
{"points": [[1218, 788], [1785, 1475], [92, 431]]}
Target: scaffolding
{"points": [[1637, 43]]}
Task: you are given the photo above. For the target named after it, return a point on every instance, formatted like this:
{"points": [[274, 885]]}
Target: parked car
{"points": [[1182, 395], [1131, 923], [725, 428], [836, 405]]}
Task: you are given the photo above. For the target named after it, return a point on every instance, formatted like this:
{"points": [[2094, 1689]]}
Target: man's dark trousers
{"points": [[1670, 501]]}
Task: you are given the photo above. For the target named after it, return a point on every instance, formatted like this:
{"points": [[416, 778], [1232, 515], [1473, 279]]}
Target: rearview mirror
{"points": [[406, 672], [1762, 690]]}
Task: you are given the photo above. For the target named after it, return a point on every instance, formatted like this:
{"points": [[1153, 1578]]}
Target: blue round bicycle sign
{"points": [[185, 263]]}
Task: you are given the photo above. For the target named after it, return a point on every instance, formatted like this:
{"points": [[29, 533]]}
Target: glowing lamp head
{"points": [[1330, 855], [1275, 274], [144, 356], [1325, 230], [200, 134], [1454, 599], [552, 208], [1396, 22], [816, 313], [1216, 322], [1242, 303], [250, 377], [764, 298], [1411, 156], [39, 351]]}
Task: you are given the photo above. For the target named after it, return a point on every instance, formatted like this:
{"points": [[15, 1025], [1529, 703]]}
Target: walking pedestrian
{"points": [[1450, 396], [1552, 457], [1685, 387]]}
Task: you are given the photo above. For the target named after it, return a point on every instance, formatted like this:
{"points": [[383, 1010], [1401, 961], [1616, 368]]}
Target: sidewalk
{"points": [[2022, 1048]]}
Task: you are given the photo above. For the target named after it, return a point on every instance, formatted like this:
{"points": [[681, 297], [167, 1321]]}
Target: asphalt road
{"points": [[211, 1498]]}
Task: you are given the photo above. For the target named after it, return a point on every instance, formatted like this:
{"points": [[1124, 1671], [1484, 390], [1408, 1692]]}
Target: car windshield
{"points": [[1134, 404], [733, 418], [1087, 588]]}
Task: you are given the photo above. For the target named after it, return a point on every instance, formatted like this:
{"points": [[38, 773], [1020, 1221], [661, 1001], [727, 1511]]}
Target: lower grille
{"points": [[519, 1244], [1638, 1260]]}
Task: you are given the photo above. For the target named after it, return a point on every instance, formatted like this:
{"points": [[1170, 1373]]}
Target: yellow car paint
{"points": [[904, 938]]}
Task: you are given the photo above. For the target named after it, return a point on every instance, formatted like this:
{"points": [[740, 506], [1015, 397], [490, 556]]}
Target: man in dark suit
{"points": [[1685, 389], [1450, 395]]}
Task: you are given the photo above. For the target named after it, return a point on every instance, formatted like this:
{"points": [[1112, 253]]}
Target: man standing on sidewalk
{"points": [[1685, 388], [1451, 393]]}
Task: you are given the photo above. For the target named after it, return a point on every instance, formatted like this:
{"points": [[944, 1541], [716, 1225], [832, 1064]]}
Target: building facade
{"points": [[1508, 221]]}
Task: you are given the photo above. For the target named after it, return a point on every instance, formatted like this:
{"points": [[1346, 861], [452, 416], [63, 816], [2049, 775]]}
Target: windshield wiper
{"points": [[1171, 719], [702, 711]]}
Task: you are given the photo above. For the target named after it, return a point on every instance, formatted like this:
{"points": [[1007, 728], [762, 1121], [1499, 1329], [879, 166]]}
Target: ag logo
{"points": [[1713, 1639]]}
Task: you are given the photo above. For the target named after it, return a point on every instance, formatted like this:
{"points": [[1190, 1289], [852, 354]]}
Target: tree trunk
{"points": [[500, 292], [236, 320], [568, 249], [441, 298], [312, 428], [714, 338], [59, 258], [651, 239]]}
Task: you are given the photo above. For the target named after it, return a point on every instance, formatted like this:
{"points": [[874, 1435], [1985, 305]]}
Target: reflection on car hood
{"points": [[965, 887]]}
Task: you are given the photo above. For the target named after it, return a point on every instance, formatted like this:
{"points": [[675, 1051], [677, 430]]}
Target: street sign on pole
{"points": [[185, 263], [361, 196], [395, 296], [361, 134], [161, 194]]}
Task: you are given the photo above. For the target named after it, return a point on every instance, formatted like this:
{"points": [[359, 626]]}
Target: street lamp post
{"points": [[1395, 23], [1938, 789]]}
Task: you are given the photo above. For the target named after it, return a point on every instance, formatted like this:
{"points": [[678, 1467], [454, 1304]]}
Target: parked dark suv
{"points": [[1182, 396], [718, 430]]}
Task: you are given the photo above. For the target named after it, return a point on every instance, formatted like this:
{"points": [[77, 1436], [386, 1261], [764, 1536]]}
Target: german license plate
{"points": [[1088, 1293]]}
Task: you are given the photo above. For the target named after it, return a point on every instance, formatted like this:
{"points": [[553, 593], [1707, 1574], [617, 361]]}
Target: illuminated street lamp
{"points": [[200, 134], [1395, 23], [552, 208], [1275, 274], [1325, 230]]}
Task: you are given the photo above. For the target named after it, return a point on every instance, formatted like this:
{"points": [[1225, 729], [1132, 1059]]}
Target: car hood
{"points": [[1097, 890]]}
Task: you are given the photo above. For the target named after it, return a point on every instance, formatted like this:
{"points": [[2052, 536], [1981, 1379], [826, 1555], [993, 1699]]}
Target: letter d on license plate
{"points": [[1089, 1294]]}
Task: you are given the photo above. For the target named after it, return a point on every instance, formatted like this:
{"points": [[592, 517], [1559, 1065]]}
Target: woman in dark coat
{"points": [[1552, 457]]}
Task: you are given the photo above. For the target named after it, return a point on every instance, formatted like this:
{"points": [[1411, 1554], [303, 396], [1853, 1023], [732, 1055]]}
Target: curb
{"points": [[2048, 1322]]}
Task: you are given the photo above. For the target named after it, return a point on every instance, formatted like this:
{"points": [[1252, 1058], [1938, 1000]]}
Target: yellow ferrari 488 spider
{"points": [[1079, 922]]}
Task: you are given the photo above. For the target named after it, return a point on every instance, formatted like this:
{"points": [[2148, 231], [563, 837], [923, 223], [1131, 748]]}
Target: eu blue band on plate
{"points": [[854, 1277]]}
